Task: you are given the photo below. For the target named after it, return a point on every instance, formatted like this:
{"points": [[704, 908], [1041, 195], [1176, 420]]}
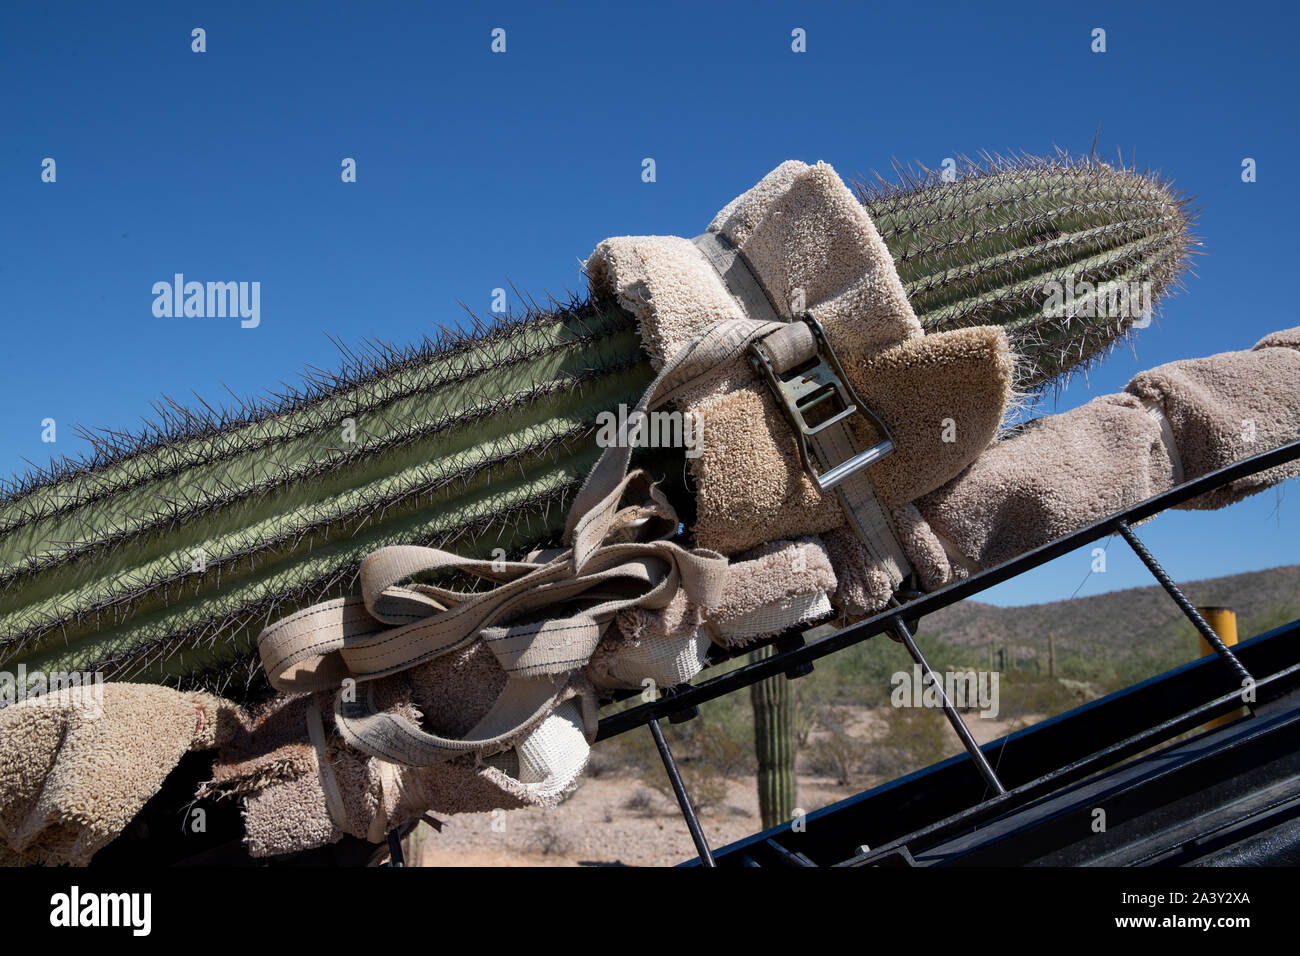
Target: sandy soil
{"points": [[617, 820]]}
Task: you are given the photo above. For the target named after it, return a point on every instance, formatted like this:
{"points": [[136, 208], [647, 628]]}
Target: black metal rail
{"points": [[945, 813], [794, 657]]}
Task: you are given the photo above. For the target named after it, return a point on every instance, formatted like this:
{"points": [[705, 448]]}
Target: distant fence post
{"points": [[1224, 622]]}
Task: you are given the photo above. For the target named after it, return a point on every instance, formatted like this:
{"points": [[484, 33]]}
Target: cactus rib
{"points": [[478, 439]]}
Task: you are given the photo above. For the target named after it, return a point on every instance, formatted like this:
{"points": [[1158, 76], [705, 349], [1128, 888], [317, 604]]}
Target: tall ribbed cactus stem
{"points": [[161, 556], [774, 745], [1046, 248]]}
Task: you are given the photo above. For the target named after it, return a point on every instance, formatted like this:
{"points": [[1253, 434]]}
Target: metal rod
{"points": [[1062, 776], [963, 732], [683, 798], [1180, 599], [755, 671], [789, 857], [847, 469]]}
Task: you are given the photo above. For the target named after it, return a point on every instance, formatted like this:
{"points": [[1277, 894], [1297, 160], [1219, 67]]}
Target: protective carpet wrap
{"points": [[311, 769], [75, 767], [297, 796], [412, 697], [1171, 424], [811, 246]]}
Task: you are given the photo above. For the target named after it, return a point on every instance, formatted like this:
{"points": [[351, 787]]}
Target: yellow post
{"points": [[1224, 622]]}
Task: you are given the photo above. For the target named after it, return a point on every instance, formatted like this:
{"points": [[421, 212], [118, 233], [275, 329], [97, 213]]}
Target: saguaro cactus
{"points": [[993, 246], [774, 745], [161, 555]]}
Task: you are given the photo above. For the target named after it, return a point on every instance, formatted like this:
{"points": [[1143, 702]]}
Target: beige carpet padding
{"points": [[73, 772], [483, 700], [813, 247], [1062, 472]]}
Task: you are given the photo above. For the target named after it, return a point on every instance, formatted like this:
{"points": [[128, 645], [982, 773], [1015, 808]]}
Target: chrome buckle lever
{"points": [[815, 395]]}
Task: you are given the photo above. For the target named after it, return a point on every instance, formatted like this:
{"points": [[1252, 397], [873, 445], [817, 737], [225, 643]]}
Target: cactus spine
{"points": [[161, 555], [992, 248], [774, 744]]}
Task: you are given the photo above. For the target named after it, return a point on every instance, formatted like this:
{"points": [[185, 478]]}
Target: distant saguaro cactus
{"points": [[774, 745], [161, 556]]}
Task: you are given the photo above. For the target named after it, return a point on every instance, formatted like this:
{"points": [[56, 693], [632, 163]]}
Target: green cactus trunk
{"points": [[774, 745], [161, 556], [985, 249], [164, 563]]}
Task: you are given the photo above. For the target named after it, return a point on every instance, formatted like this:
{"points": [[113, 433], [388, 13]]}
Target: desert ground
{"points": [[616, 818]]}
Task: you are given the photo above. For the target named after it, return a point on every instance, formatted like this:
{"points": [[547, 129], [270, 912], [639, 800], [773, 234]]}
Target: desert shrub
{"points": [[916, 739], [627, 753], [1024, 695], [837, 755], [707, 787], [728, 752], [641, 802], [549, 840]]}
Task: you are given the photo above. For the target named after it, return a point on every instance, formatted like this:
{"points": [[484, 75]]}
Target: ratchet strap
{"points": [[542, 620], [811, 389]]}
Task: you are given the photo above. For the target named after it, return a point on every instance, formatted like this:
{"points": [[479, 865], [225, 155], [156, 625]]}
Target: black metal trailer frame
{"points": [[930, 812], [1027, 798]]}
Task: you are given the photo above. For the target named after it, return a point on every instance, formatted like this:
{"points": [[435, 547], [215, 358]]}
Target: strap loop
{"points": [[542, 622], [543, 619]]}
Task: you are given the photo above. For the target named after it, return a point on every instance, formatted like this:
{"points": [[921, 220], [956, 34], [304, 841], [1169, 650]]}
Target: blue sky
{"points": [[477, 170]]}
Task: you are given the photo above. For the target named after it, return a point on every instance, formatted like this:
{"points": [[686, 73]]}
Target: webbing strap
{"points": [[542, 622], [1156, 410], [867, 516], [330, 784], [729, 263], [543, 619], [790, 346]]}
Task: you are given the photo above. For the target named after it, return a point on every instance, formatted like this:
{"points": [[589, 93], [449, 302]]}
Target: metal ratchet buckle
{"points": [[815, 396]]}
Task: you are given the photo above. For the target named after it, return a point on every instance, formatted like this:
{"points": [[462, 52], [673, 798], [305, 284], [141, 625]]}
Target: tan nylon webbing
{"points": [[789, 346], [867, 516], [738, 277], [395, 626], [319, 646]]}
